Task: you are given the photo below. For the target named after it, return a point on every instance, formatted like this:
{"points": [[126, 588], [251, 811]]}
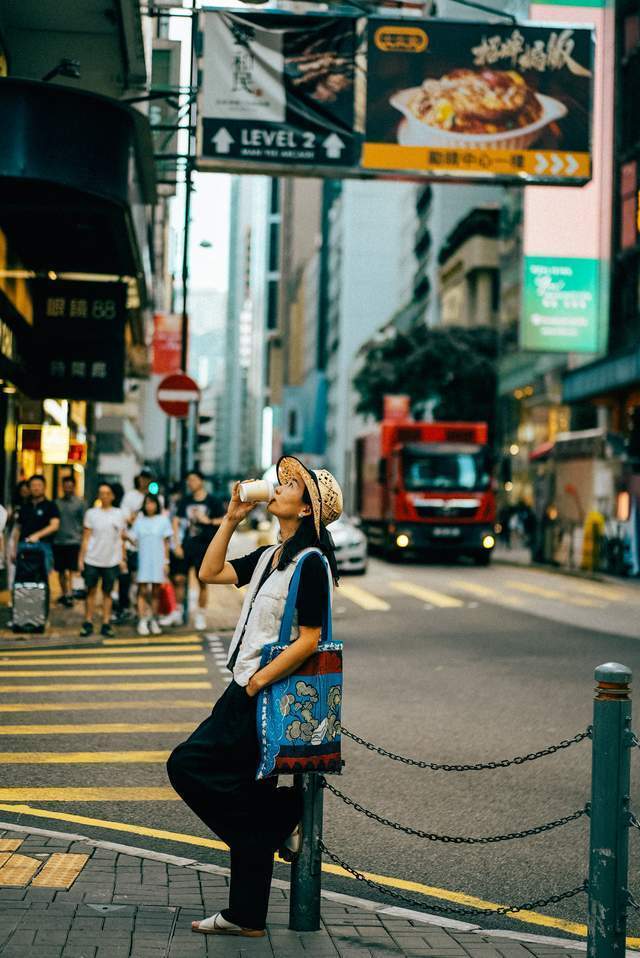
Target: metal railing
{"points": [[609, 811]]}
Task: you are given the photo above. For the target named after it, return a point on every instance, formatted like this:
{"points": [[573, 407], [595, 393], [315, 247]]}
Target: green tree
{"points": [[452, 369]]}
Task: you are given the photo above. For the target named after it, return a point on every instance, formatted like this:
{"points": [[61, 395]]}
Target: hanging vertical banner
{"points": [[277, 90]]}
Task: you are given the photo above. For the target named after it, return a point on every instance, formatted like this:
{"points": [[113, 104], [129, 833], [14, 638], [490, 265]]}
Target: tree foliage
{"points": [[452, 369]]}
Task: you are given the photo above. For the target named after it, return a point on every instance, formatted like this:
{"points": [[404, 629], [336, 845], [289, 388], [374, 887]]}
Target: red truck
{"points": [[427, 487]]}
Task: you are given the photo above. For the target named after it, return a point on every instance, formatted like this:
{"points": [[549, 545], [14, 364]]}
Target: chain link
{"points": [[453, 839], [631, 901], [635, 741], [447, 909], [481, 766]]}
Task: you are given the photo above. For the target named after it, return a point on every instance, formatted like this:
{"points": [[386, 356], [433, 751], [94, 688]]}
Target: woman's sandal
{"points": [[291, 846], [217, 925]]}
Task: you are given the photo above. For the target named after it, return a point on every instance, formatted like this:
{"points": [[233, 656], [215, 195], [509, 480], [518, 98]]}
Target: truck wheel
{"points": [[482, 558]]}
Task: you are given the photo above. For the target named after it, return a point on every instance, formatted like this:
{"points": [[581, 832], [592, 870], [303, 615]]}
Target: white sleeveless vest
{"points": [[262, 611]]}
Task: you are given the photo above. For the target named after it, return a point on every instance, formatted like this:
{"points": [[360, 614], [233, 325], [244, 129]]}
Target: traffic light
{"points": [[154, 488]]}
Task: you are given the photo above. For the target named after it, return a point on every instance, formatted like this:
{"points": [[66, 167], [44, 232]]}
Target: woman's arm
{"points": [[215, 570], [287, 662]]}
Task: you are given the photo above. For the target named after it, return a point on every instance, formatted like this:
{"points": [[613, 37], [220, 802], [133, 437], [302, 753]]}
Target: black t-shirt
{"points": [[195, 509], [312, 591], [34, 516]]}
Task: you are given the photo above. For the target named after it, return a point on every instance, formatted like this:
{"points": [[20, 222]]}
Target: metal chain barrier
{"points": [[481, 766], [448, 909], [454, 839]]}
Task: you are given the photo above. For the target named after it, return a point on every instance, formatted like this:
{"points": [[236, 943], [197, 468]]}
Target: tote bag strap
{"points": [[292, 597]]}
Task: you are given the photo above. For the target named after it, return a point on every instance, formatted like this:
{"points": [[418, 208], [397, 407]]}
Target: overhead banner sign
{"points": [[479, 100], [560, 310], [330, 95], [278, 91]]}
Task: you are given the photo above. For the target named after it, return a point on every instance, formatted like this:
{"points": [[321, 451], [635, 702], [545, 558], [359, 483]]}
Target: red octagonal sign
{"points": [[175, 392]]}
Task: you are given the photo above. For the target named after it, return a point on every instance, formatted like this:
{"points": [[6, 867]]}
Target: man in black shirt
{"points": [[201, 513], [38, 520]]}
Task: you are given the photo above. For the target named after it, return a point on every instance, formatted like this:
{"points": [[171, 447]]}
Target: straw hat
{"points": [[323, 489]]}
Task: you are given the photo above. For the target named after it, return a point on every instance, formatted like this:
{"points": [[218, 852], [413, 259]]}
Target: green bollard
{"points": [[609, 841], [304, 906]]}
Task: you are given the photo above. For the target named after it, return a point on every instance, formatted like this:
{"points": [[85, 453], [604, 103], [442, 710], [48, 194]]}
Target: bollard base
{"points": [[306, 871]]}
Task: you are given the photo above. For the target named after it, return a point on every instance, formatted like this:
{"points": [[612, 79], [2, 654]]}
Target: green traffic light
{"points": [[154, 488]]}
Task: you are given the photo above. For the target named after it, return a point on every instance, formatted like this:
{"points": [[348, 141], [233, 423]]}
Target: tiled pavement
{"points": [[133, 903]]}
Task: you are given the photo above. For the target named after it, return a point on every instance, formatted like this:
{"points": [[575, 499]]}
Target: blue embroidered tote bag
{"points": [[299, 716]]}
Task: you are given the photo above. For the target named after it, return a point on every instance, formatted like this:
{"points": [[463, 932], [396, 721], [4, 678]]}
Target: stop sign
{"points": [[175, 392]]}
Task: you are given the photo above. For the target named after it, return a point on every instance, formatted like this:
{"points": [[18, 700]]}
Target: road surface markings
{"points": [[10, 844], [60, 870], [363, 598], [106, 686], [124, 704], [107, 654], [602, 591], [107, 728], [116, 660], [429, 891], [221, 656], [82, 758], [115, 793], [156, 640], [34, 673], [17, 870], [553, 594], [484, 592], [438, 599]]}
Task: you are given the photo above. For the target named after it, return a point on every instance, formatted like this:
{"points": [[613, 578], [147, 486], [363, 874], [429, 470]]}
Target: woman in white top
{"points": [[151, 532]]}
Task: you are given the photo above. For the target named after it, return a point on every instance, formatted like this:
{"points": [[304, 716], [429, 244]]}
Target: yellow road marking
{"points": [[554, 594], [10, 844], [109, 728], [483, 592], [64, 653], [115, 660], [80, 758], [18, 870], [427, 595], [104, 706], [60, 871], [526, 917], [363, 598], [156, 640], [106, 686], [34, 673], [104, 794], [601, 591]]}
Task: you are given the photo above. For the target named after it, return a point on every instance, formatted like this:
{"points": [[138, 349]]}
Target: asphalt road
{"points": [[451, 664]]}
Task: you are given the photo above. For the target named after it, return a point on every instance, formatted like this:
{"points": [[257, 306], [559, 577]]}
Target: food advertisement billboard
{"points": [[278, 92], [476, 100]]}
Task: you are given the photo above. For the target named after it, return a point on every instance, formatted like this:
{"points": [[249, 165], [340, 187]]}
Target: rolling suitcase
{"points": [[30, 590]]}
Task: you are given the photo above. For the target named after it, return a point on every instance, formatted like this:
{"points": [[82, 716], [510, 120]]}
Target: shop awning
{"points": [[603, 376], [76, 171]]}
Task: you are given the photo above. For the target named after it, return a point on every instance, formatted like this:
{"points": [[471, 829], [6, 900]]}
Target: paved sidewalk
{"points": [[520, 556], [133, 903]]}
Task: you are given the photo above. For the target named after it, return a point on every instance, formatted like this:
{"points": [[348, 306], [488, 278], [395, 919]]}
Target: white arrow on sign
{"points": [[572, 164], [557, 164], [222, 140], [541, 163], [333, 146]]}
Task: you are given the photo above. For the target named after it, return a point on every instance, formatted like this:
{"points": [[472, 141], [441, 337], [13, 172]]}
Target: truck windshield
{"points": [[446, 471]]}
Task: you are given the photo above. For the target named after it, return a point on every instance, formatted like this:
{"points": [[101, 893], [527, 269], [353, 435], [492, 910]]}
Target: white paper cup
{"points": [[256, 490]]}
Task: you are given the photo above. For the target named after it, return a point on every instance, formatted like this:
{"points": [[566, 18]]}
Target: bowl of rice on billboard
{"points": [[468, 108]]}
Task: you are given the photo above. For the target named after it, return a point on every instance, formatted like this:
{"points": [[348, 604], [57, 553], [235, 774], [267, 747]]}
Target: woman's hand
{"points": [[238, 510], [252, 687]]}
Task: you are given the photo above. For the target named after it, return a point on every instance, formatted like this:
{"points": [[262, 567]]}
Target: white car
{"points": [[350, 544]]}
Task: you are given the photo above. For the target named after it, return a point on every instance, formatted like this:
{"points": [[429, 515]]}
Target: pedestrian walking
{"points": [[151, 533], [214, 771], [102, 556], [131, 505], [197, 517], [20, 496], [37, 520], [66, 547]]}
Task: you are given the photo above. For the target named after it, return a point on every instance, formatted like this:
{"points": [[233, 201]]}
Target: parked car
{"points": [[351, 545]]}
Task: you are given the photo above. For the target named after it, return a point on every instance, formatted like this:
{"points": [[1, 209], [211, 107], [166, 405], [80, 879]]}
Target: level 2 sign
{"points": [[274, 143]]}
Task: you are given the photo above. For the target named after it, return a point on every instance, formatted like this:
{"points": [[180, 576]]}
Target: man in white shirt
{"points": [[102, 556]]}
